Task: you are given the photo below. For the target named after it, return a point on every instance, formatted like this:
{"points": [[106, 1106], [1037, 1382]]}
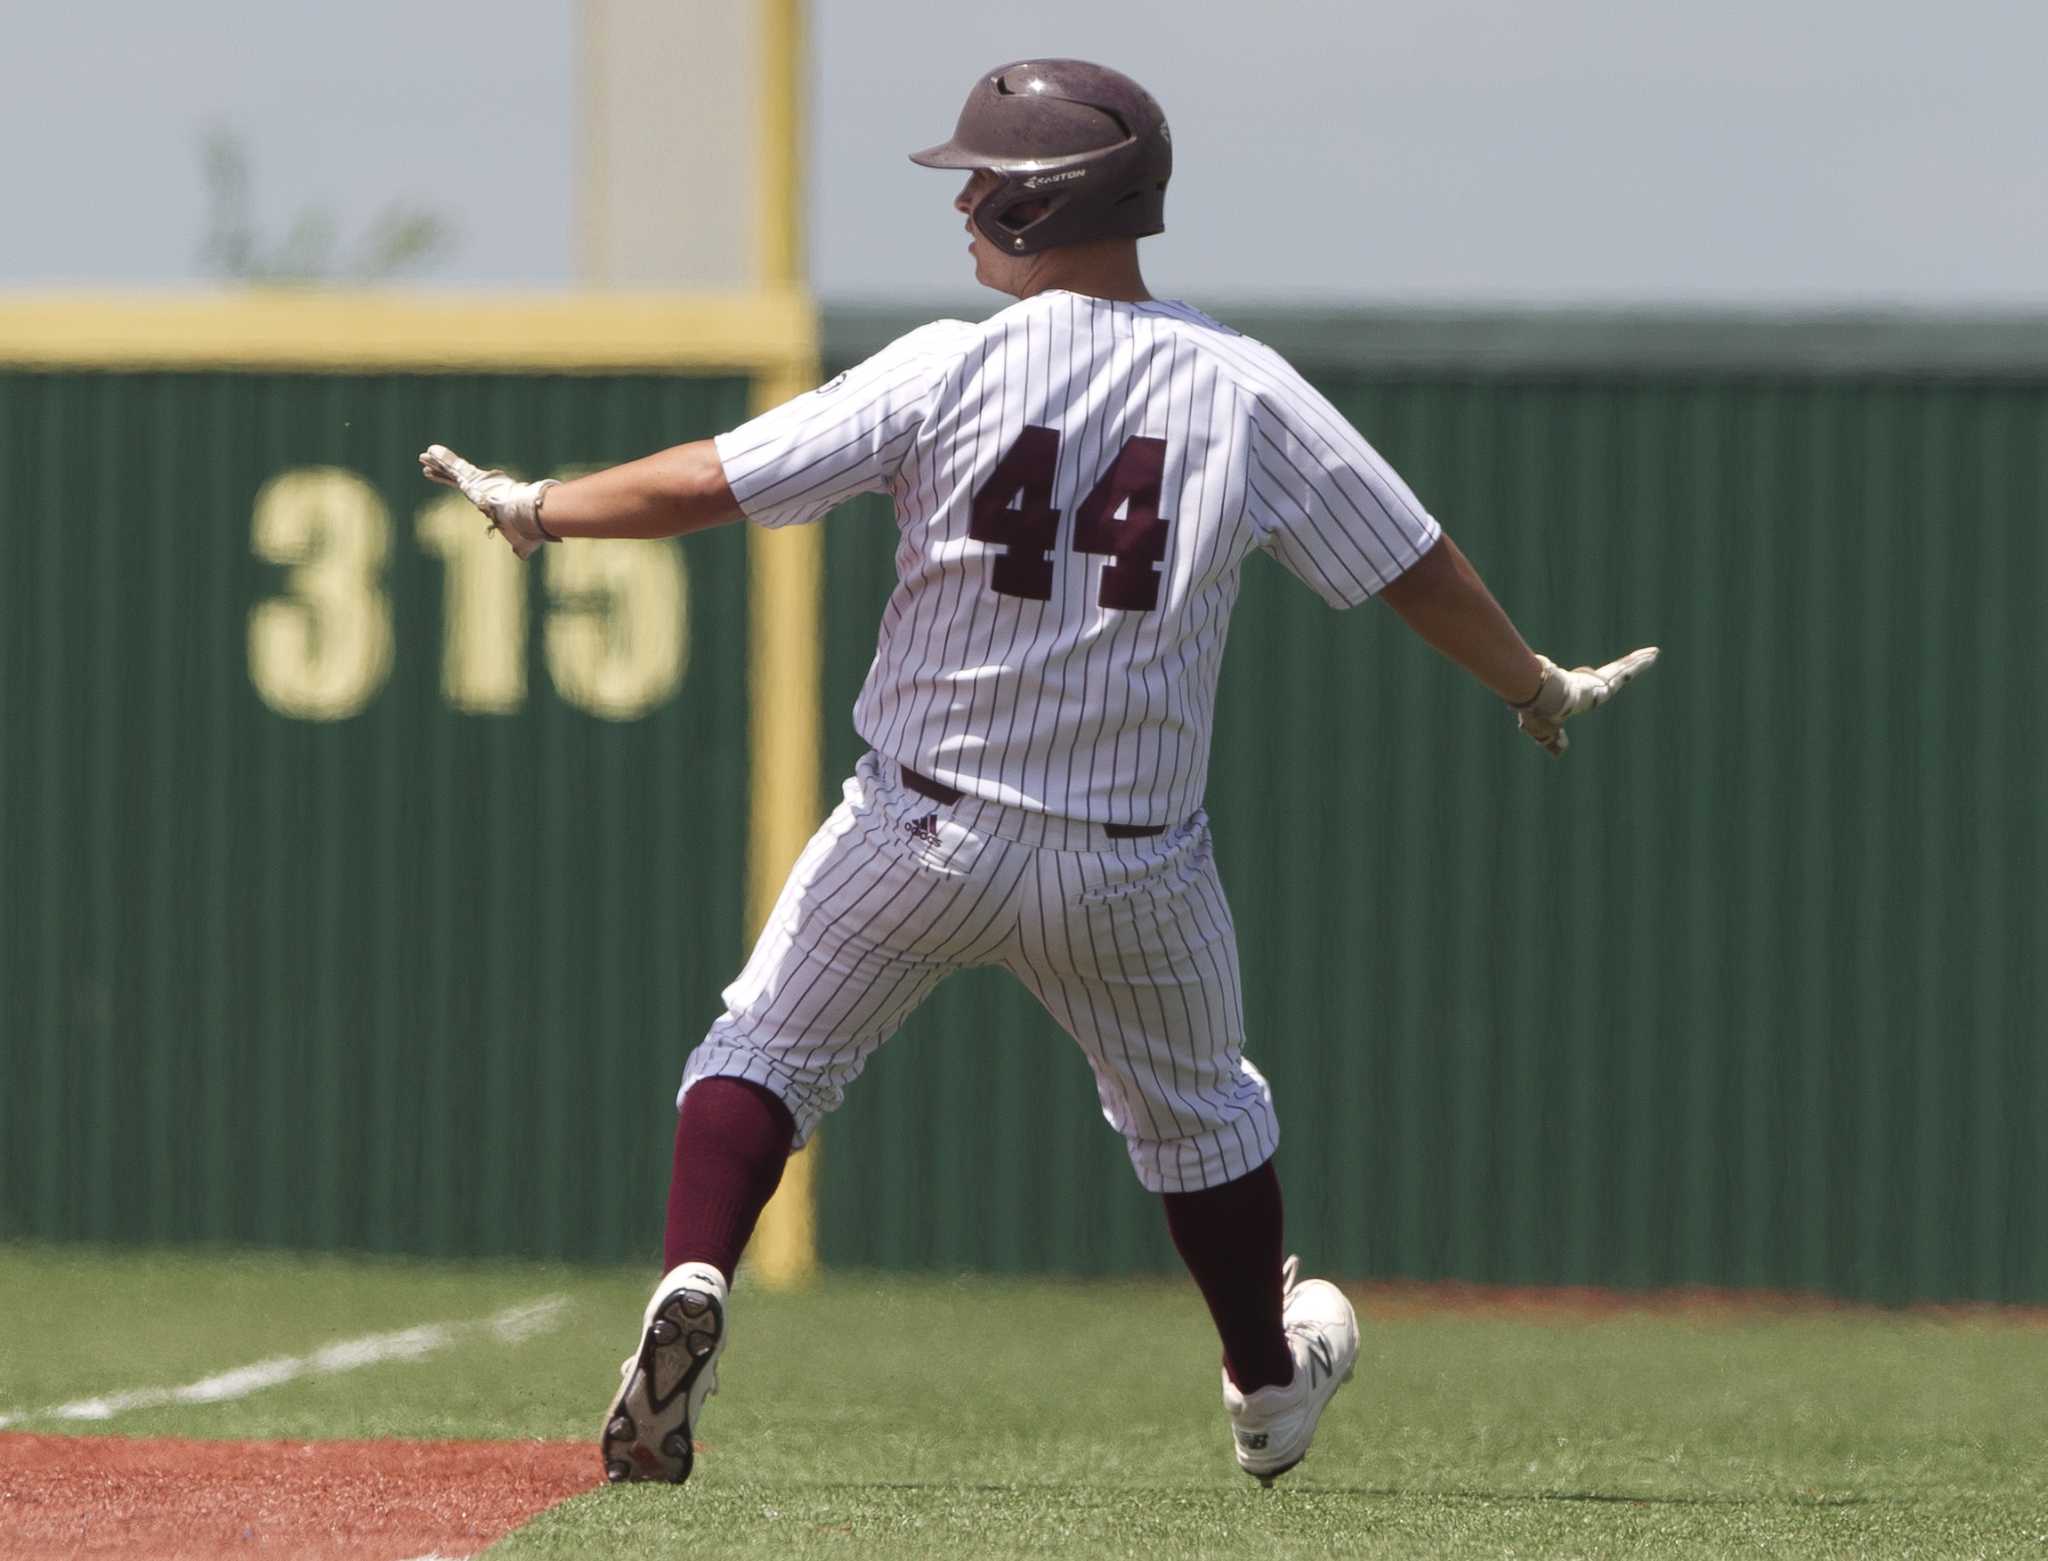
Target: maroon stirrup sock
{"points": [[1230, 1237], [732, 1141]]}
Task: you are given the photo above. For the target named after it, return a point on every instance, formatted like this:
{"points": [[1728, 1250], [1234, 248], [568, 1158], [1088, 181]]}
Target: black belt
{"points": [[939, 791]]}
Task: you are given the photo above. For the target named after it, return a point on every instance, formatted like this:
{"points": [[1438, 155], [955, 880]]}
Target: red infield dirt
{"points": [[362, 1501], [1697, 1303]]}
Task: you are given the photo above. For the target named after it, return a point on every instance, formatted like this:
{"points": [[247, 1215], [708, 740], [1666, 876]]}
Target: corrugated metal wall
{"points": [[1746, 991], [418, 977]]}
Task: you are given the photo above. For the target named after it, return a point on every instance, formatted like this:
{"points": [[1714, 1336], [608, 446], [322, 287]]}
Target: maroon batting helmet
{"points": [[1083, 142]]}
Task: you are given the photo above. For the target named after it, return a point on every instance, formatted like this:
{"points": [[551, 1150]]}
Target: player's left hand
{"points": [[1563, 694], [512, 507]]}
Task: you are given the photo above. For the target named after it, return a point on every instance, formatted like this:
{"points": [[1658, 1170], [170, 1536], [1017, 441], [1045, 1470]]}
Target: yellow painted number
{"points": [[618, 635], [483, 638], [322, 650]]}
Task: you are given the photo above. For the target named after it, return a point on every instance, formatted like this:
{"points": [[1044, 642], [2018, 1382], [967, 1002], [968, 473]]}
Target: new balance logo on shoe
{"points": [[1322, 1338]]}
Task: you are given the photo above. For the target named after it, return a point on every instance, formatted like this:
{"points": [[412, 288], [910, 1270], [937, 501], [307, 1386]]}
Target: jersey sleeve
{"points": [[849, 436], [1324, 502]]}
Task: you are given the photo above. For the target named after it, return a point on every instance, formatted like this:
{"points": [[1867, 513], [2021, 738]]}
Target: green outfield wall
{"points": [[1747, 990], [359, 886], [326, 923]]}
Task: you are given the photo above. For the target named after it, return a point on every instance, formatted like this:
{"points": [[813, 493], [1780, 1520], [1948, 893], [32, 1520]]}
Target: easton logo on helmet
{"points": [[1054, 178]]}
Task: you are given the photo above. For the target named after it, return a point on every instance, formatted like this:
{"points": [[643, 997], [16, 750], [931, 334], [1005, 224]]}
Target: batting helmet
{"points": [[1085, 142]]}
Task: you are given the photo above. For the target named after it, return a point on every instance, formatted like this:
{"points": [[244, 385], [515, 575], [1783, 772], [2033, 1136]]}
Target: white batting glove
{"points": [[1562, 695], [512, 507]]}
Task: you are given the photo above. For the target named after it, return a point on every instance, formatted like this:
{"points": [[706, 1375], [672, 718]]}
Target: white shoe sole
{"points": [[647, 1429]]}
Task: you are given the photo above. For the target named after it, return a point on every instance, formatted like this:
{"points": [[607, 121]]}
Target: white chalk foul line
{"points": [[514, 1325]]}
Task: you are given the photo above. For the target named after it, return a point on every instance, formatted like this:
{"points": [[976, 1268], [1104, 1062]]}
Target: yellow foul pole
{"points": [[784, 602]]}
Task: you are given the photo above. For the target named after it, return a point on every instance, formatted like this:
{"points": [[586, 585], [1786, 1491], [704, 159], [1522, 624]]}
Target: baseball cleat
{"points": [[1272, 1427], [663, 1384]]}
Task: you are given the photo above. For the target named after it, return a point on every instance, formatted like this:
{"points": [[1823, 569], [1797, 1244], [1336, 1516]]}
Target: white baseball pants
{"points": [[1127, 943]]}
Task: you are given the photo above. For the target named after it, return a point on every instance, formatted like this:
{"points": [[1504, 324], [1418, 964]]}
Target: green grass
{"points": [[892, 1417]]}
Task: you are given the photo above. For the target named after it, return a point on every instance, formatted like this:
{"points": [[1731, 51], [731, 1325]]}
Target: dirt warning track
{"points": [[338, 1501]]}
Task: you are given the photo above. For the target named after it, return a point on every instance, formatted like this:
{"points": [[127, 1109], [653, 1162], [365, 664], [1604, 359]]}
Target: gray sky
{"points": [[343, 106], [1459, 151]]}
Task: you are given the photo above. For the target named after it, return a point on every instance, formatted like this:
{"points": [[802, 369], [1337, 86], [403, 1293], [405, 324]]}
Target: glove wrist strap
{"points": [[540, 497], [1549, 670]]}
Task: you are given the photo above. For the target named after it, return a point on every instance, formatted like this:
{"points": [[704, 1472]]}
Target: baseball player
{"points": [[1078, 481]]}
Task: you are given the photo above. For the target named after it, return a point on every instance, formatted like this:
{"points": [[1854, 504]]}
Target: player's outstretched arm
{"points": [[667, 494], [1443, 600]]}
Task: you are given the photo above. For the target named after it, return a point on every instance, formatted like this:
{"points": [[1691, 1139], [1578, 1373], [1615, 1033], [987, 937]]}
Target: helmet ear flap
{"points": [[1007, 215]]}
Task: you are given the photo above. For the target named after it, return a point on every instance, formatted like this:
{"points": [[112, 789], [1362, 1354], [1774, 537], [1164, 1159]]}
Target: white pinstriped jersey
{"points": [[1077, 485]]}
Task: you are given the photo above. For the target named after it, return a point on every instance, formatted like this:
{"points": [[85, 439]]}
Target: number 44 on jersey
{"points": [[1014, 510]]}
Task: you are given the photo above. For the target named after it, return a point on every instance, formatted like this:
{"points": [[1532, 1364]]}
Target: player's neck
{"points": [[1133, 293], [1107, 269]]}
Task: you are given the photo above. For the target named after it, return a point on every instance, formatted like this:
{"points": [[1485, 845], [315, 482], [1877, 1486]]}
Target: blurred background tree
{"points": [[400, 239]]}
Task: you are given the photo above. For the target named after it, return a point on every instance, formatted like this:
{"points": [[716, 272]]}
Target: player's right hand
{"points": [[1562, 695], [511, 506]]}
